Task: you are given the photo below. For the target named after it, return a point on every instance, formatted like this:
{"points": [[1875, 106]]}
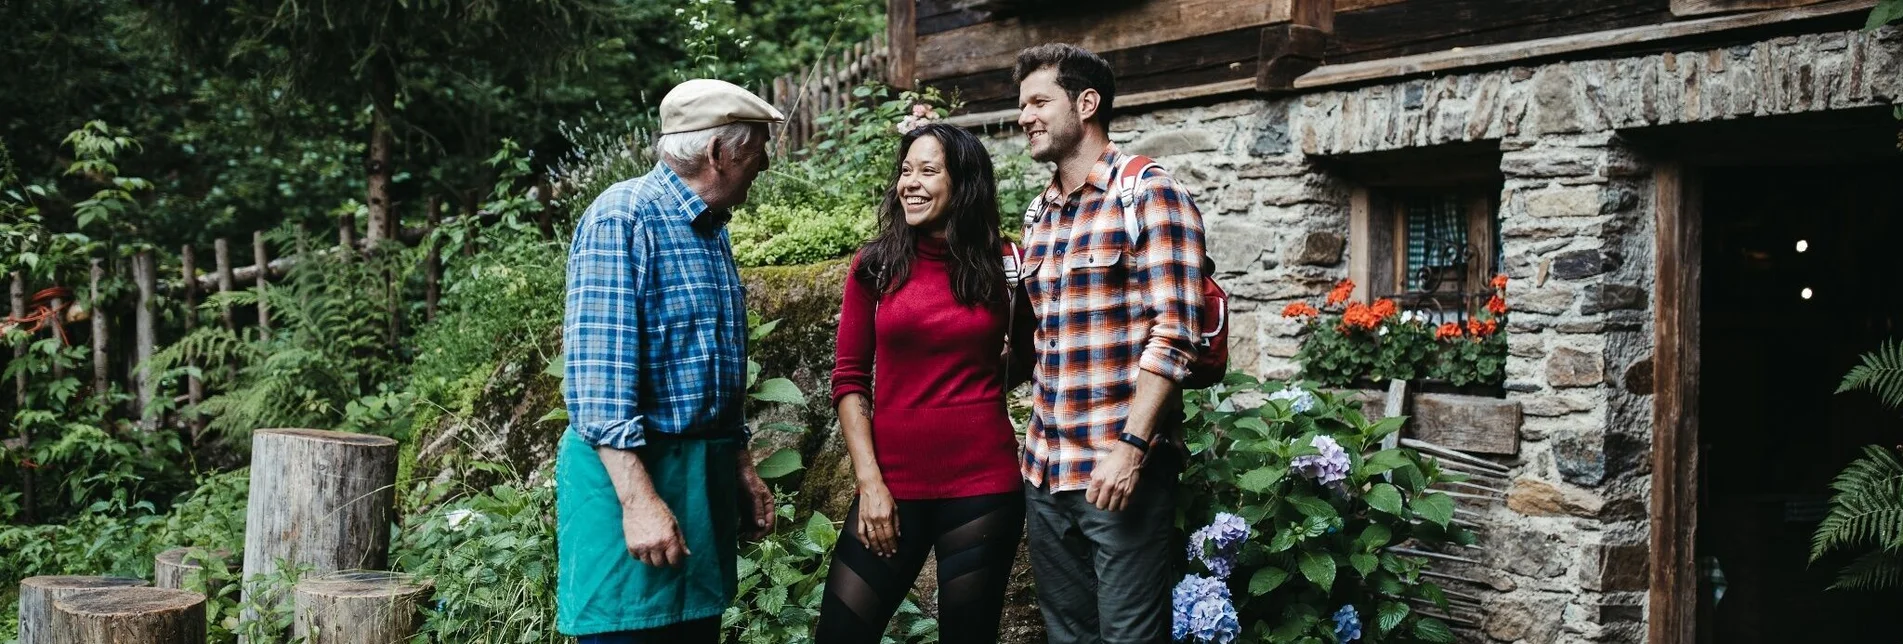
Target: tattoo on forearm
{"points": [[865, 408]]}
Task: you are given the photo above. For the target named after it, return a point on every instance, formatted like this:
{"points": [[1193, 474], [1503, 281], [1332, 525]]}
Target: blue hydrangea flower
{"points": [[1218, 544], [1300, 401], [1201, 611], [1328, 467], [1347, 624]]}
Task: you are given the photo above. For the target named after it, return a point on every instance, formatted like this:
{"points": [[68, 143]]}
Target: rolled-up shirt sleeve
{"points": [[855, 340], [1169, 267], [601, 331]]}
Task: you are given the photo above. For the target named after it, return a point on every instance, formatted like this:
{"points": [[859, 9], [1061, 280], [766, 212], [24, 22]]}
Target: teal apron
{"points": [[602, 588]]}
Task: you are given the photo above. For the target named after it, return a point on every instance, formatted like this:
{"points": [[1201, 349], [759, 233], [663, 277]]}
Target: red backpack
{"points": [[1212, 350]]}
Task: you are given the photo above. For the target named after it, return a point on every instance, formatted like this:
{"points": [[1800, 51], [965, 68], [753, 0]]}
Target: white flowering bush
{"points": [[1294, 507]]}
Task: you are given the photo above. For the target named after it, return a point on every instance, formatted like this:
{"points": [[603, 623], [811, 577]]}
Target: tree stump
{"points": [[116, 615], [173, 569], [37, 595], [320, 502], [359, 607]]}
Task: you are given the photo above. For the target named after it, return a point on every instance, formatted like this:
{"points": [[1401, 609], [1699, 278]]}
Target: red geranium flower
{"points": [[1496, 306], [1448, 330], [1342, 291], [1300, 310]]}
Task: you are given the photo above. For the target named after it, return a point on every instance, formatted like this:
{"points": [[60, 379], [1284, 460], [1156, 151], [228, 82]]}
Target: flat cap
{"points": [[705, 103]]}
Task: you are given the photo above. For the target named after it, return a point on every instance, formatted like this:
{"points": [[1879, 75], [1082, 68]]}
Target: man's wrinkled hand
{"points": [[652, 534], [1114, 478], [756, 505]]}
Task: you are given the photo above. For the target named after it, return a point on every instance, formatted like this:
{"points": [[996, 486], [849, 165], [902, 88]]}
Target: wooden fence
{"points": [[826, 85]]}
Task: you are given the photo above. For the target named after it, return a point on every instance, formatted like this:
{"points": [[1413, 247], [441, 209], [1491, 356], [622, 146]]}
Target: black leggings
{"points": [[976, 539]]}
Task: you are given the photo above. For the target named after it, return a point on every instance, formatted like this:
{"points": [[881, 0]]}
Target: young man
{"points": [[1115, 333], [653, 477]]}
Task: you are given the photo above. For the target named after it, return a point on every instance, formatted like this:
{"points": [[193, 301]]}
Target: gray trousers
{"points": [[1105, 576]]}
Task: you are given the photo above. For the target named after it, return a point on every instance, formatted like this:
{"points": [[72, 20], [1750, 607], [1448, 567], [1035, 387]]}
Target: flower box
{"points": [[1472, 424]]}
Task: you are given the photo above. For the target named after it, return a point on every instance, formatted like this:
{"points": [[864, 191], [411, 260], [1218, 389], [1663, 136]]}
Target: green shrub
{"points": [[780, 235]]}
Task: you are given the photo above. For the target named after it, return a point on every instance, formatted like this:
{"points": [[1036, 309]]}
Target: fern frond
{"points": [[1872, 571], [1881, 373], [207, 345], [1867, 506]]}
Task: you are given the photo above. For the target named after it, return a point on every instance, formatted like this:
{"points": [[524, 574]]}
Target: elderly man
{"points": [[653, 478]]}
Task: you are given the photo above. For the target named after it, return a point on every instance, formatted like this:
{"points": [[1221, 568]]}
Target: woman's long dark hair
{"points": [[971, 223]]}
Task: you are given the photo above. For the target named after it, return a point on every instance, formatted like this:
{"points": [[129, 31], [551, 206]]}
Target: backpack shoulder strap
{"points": [[1013, 259], [1127, 176]]}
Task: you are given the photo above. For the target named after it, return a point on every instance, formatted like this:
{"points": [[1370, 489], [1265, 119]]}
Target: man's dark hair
{"points": [[1077, 70]]}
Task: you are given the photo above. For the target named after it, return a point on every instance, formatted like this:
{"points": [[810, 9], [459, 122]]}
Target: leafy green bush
{"points": [[780, 235], [1324, 505], [492, 556]]}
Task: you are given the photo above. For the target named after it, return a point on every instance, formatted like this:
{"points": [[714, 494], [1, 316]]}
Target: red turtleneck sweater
{"points": [[939, 426]]}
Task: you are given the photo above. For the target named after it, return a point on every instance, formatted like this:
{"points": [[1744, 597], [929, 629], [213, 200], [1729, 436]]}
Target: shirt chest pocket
{"points": [[1094, 261]]}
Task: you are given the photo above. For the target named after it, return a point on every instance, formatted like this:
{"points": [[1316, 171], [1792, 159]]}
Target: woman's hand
{"points": [[878, 520]]}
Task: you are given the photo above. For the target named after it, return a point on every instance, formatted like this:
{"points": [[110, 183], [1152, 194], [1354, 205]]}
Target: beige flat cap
{"points": [[705, 103]]}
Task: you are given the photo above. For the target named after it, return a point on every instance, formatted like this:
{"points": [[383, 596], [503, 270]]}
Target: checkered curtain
{"points": [[1436, 234]]}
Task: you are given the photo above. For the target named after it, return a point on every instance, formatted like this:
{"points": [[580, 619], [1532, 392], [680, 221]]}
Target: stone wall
{"points": [[1576, 217]]}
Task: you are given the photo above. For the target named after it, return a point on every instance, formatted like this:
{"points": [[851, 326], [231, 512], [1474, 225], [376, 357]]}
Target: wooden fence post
{"points": [[263, 262], [144, 615], [102, 385], [347, 235], [221, 251], [19, 399], [359, 606], [37, 595], [433, 261], [194, 387], [146, 276], [302, 511]]}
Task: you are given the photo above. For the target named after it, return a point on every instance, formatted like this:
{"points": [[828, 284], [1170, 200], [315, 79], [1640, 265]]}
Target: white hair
{"points": [[687, 151]]}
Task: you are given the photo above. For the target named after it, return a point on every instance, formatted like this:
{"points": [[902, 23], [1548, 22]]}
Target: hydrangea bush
{"points": [[1293, 506]]}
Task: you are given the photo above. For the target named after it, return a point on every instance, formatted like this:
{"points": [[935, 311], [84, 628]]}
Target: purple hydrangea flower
{"points": [[1216, 545], [1300, 401], [1328, 467], [1201, 611], [1347, 624]]}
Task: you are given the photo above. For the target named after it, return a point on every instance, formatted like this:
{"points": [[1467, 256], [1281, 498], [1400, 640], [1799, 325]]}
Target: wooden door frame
{"points": [[1673, 614]]}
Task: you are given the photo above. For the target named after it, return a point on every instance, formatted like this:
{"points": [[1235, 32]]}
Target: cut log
{"points": [[176, 568], [359, 607], [143, 615], [37, 595], [320, 502]]}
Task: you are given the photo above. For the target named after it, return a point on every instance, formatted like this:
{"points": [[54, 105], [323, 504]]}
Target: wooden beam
{"points": [[995, 45], [1491, 55], [1674, 509], [1710, 7], [901, 24], [1004, 117], [1360, 240], [1288, 52]]}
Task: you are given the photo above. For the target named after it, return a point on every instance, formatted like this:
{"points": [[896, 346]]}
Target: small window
{"points": [[1432, 249]]}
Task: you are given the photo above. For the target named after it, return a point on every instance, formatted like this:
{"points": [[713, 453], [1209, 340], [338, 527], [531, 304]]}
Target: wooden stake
{"points": [[19, 399], [263, 262], [359, 606], [318, 499], [144, 615], [432, 262], [37, 595], [184, 569], [194, 387], [145, 275], [347, 234], [101, 385], [221, 252]]}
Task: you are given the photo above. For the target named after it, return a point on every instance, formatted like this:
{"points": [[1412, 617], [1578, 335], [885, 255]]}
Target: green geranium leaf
{"points": [[1435, 507], [781, 463], [1385, 498], [1261, 479], [780, 390], [1319, 568], [1266, 580]]}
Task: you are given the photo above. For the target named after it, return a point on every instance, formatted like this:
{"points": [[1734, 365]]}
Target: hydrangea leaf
{"points": [[1266, 580], [1383, 461], [1261, 479], [1385, 427], [1257, 425], [1374, 536], [1384, 497], [1312, 507], [1363, 563], [1389, 615], [1319, 568], [1433, 630], [1435, 507]]}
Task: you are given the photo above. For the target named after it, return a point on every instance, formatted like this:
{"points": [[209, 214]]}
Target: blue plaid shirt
{"points": [[655, 331]]}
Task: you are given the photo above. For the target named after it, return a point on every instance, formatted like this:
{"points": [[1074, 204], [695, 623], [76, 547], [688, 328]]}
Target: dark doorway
{"points": [[1779, 328]]}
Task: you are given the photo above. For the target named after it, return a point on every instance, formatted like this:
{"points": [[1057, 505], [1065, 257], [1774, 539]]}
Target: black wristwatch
{"points": [[1135, 441]]}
